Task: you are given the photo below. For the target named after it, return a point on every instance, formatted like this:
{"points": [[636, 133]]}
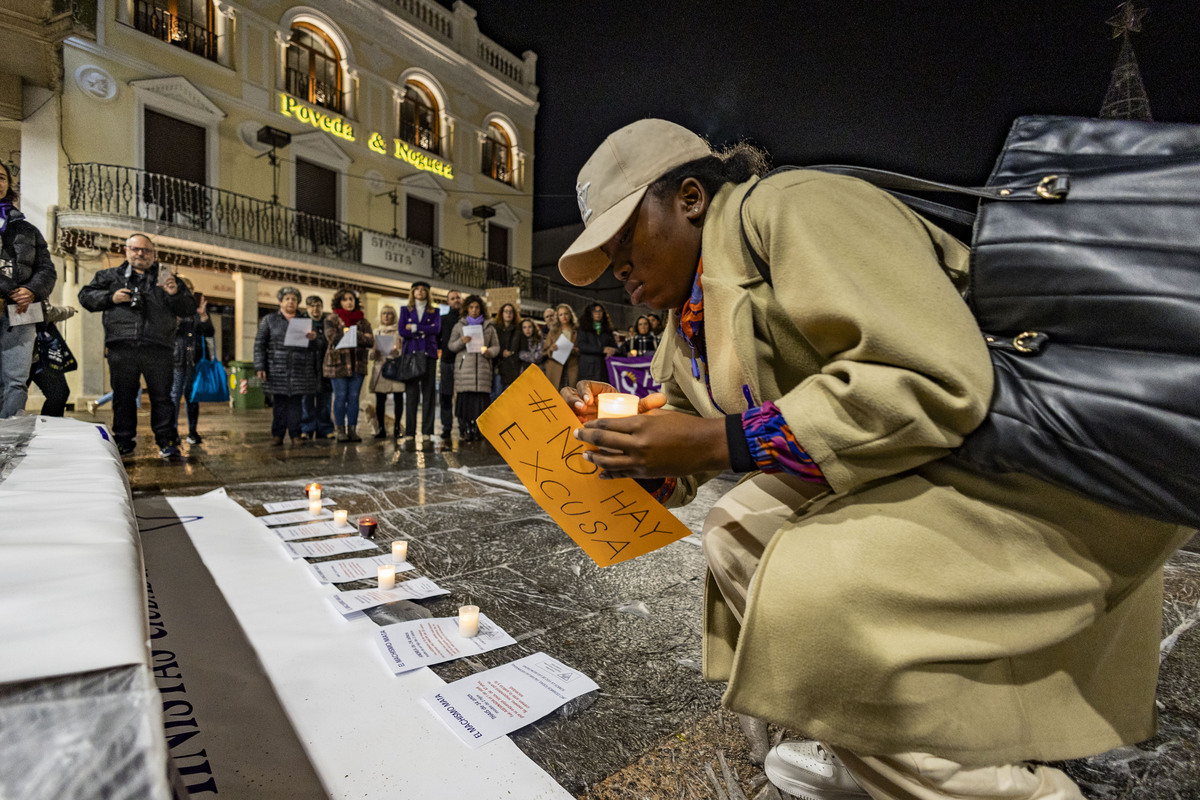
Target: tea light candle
{"points": [[387, 576], [614, 404], [314, 507], [468, 621], [339, 517], [313, 491], [367, 526], [399, 551]]}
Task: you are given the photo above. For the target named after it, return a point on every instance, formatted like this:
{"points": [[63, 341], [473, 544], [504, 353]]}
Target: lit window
{"points": [[497, 154], [189, 24], [314, 70], [419, 118]]}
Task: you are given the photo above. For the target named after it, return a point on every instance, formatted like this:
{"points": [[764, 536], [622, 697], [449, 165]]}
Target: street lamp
{"points": [[274, 138]]}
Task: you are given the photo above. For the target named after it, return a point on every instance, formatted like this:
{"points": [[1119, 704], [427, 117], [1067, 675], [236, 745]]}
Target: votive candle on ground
{"points": [[313, 491], [339, 517], [314, 507], [399, 551], [614, 404], [367, 526], [468, 621], [387, 576]]}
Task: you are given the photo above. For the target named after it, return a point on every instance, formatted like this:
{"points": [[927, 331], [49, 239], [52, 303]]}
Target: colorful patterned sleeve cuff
{"points": [[660, 489], [772, 446]]}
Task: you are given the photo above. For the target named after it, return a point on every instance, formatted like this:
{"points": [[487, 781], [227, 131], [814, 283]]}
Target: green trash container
{"points": [[245, 388]]}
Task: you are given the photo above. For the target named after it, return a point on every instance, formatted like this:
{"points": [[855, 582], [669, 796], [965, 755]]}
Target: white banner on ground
{"points": [[350, 729], [489, 704], [420, 642], [329, 547], [417, 588], [353, 569]]}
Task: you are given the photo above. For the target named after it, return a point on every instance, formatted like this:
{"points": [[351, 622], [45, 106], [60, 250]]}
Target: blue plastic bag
{"points": [[210, 384]]}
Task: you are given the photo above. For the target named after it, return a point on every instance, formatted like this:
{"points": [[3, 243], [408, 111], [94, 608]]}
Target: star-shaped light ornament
{"points": [[1128, 19]]}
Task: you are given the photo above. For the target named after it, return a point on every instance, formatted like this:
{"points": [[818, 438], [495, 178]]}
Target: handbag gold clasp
{"points": [[1022, 340], [1045, 191]]}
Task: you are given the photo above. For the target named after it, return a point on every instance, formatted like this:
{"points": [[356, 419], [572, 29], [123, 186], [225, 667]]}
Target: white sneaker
{"points": [[806, 770]]}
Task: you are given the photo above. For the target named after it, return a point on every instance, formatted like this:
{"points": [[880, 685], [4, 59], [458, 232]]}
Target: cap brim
{"points": [[582, 263]]}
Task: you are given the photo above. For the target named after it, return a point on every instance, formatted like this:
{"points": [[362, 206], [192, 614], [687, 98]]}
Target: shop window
{"points": [[419, 220], [175, 170], [314, 71], [419, 118], [190, 24], [497, 155]]}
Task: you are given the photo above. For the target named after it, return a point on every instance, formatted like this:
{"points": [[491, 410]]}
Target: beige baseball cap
{"points": [[613, 182]]}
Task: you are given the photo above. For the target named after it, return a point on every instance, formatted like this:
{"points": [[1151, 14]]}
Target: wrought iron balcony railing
{"points": [[320, 93], [162, 24], [118, 191]]}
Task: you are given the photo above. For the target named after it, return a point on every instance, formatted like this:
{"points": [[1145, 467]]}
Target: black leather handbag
{"points": [[408, 367], [1085, 279]]}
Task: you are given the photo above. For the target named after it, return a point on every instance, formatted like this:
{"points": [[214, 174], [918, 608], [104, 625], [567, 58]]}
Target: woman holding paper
{"points": [[562, 356], [420, 327], [386, 336], [475, 341], [27, 278], [285, 367], [350, 341]]}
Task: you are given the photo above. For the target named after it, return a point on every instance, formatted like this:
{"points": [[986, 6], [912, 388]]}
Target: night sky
{"points": [[921, 86]]}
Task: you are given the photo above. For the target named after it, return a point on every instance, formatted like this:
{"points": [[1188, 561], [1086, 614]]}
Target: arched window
{"points": [[314, 71], [190, 24], [497, 154], [419, 118]]}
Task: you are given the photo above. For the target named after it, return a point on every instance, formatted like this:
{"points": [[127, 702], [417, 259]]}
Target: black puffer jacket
{"points": [[25, 247], [290, 370], [153, 322]]}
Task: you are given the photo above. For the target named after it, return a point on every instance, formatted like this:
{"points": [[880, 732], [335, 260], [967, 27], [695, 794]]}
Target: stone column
{"points": [[245, 314]]}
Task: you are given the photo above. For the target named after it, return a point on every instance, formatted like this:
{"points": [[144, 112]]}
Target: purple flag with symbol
{"points": [[631, 374]]}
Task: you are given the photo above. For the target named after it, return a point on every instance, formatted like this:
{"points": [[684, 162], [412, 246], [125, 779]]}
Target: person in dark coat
{"points": [[446, 378], [286, 372], [508, 365], [189, 349], [26, 276], [142, 303], [317, 409], [596, 343], [420, 328], [643, 342]]}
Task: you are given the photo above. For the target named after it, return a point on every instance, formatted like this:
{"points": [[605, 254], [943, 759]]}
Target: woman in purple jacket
{"points": [[420, 325]]}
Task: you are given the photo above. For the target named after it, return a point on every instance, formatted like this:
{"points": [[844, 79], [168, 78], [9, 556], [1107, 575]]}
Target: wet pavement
{"points": [[656, 729]]}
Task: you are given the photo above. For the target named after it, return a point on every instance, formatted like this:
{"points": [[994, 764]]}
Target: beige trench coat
{"points": [[917, 606], [378, 383]]}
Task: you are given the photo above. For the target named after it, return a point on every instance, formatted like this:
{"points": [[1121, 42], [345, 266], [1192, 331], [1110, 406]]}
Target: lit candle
{"points": [[468, 621], [387, 576], [313, 490], [367, 526], [614, 404], [314, 507], [339, 517], [399, 551]]}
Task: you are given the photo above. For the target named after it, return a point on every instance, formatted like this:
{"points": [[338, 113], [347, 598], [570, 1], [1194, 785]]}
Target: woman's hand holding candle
{"points": [[656, 444], [584, 399]]}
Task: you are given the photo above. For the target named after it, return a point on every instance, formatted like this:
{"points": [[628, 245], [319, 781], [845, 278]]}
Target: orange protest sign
{"points": [[612, 520]]}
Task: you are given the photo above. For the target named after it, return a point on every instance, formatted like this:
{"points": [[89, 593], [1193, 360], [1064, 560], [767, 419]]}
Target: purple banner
{"points": [[631, 374]]}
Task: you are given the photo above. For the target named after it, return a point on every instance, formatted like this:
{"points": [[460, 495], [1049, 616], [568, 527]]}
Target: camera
{"points": [[135, 298]]}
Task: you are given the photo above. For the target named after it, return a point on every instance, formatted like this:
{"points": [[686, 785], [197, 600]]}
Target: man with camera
{"points": [[141, 301]]}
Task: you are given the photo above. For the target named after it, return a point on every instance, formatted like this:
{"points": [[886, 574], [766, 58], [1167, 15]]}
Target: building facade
{"points": [[262, 143]]}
